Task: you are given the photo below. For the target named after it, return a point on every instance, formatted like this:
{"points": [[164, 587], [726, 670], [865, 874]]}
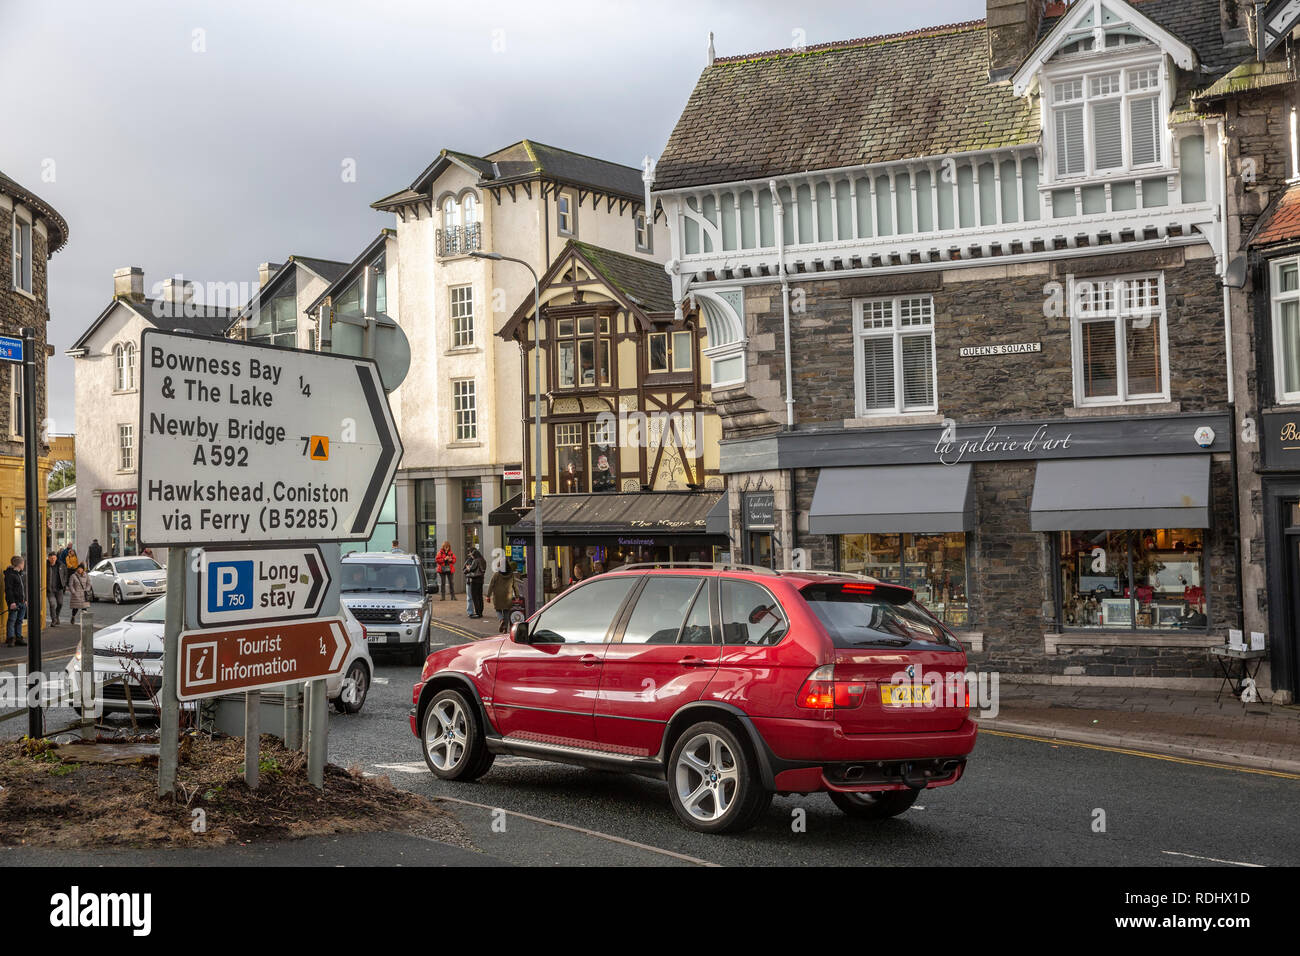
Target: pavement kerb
{"points": [[1145, 744]]}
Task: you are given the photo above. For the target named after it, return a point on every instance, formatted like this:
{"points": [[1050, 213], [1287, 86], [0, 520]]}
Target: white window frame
{"points": [[1128, 67], [642, 233], [23, 229], [1119, 320], [124, 367], [571, 214], [462, 318], [464, 410], [896, 332], [17, 421], [1276, 298], [126, 458]]}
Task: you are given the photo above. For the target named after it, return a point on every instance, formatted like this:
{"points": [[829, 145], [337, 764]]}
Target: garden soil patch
{"points": [[50, 799]]}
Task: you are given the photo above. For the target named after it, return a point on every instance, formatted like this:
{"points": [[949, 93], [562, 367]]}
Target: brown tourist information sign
{"points": [[218, 661]]}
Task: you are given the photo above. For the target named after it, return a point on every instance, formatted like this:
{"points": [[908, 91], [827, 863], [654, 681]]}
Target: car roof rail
{"points": [[710, 565]]}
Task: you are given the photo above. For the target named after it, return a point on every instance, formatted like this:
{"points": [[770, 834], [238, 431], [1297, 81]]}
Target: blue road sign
{"points": [[11, 349], [230, 586]]}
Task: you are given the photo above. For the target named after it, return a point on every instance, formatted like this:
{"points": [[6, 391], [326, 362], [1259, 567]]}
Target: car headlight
{"points": [[410, 615]]}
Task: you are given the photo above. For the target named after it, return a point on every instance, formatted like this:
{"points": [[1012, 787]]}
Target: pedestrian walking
{"points": [[502, 588], [54, 587], [475, 568], [79, 592], [16, 599], [445, 564], [94, 554]]}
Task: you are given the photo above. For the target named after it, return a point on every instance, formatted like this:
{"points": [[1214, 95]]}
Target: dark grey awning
{"points": [[645, 516], [890, 499], [507, 513], [1099, 494], [718, 521]]}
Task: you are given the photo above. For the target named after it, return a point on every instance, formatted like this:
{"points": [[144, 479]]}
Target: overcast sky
{"points": [[203, 138]]}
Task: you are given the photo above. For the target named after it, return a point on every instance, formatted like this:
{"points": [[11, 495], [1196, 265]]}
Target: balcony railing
{"points": [[460, 240]]}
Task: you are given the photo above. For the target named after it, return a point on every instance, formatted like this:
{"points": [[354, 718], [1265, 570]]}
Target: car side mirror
{"points": [[430, 589], [519, 633]]}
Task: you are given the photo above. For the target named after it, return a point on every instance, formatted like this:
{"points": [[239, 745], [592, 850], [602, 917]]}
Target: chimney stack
{"points": [[128, 283], [266, 272], [1013, 32], [177, 291]]}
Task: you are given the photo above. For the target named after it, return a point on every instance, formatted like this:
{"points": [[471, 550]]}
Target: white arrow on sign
{"points": [[263, 584], [243, 442], [1278, 20]]}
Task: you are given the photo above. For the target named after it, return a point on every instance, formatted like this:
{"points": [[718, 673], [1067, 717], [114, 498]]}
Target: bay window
{"points": [[586, 456], [670, 351], [583, 351], [1106, 121], [893, 352]]}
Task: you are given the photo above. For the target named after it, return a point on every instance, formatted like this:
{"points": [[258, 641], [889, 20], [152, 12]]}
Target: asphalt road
{"points": [[1021, 802]]}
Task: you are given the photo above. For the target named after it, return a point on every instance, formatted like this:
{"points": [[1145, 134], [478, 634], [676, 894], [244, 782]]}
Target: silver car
{"points": [[130, 578], [388, 594], [132, 652]]}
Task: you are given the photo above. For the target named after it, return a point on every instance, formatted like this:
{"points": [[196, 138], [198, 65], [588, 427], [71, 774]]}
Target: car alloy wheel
{"points": [[707, 777], [446, 734], [356, 684], [117, 594]]}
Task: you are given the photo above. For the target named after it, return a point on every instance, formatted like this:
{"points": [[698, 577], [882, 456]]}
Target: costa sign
{"points": [[119, 500]]}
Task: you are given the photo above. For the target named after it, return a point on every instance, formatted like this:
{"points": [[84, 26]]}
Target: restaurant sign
{"points": [[1282, 439]]}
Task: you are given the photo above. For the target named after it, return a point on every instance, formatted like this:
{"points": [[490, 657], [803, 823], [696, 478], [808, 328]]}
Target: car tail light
{"points": [[858, 587], [821, 691], [364, 636]]}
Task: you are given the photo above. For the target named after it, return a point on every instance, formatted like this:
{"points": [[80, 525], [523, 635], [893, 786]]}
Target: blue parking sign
{"points": [[230, 586]]}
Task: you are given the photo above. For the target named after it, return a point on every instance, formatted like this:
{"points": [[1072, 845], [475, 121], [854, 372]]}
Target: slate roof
{"points": [[643, 281], [166, 316], [871, 100], [1281, 221], [522, 161], [55, 224], [878, 99]]}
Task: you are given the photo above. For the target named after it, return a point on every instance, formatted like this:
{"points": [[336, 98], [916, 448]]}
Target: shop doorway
{"points": [[121, 533], [1291, 536], [758, 549]]}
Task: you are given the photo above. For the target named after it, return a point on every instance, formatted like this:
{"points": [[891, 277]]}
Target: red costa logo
{"points": [[118, 500]]}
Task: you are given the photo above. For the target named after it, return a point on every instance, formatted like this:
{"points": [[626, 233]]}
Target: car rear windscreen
{"points": [[861, 614]]}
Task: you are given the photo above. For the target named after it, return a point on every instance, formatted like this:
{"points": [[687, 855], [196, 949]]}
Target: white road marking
{"points": [[576, 829], [419, 766], [379, 680], [1211, 859]]}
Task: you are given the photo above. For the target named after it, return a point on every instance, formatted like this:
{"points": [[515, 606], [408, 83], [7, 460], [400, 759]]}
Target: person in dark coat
{"points": [[16, 599], [53, 587], [94, 554], [475, 568]]}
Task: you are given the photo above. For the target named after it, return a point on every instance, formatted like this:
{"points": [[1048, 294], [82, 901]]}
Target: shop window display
{"points": [[1133, 580], [932, 565]]}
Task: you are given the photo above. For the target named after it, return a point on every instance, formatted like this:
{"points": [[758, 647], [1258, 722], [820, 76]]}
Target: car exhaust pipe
{"points": [[853, 773]]}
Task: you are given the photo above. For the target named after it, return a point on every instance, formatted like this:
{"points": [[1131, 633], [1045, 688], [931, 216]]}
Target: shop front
{"points": [[1280, 482], [118, 523], [588, 534], [1092, 547]]}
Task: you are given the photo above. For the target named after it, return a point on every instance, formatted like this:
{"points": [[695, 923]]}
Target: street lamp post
{"points": [[539, 591]]}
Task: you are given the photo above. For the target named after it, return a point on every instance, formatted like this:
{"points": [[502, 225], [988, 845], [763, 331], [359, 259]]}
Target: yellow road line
{"points": [[1143, 753]]}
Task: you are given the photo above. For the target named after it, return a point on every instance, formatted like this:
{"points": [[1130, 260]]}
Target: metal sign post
{"points": [[36, 568], [169, 708]]}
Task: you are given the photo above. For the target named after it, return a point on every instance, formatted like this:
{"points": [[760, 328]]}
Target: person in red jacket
{"points": [[445, 564]]}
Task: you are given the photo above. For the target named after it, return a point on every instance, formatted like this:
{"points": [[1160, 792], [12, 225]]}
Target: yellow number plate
{"points": [[896, 694]]}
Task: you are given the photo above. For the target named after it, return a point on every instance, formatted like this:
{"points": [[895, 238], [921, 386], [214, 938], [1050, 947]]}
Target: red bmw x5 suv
{"points": [[732, 684]]}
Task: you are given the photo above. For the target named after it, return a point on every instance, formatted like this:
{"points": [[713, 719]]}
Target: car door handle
{"points": [[689, 661], [589, 659]]}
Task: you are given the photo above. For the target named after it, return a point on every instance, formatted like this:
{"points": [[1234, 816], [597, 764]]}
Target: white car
{"points": [[127, 579], [134, 647]]}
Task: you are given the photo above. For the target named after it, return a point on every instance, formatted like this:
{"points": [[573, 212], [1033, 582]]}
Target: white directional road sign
{"points": [[265, 584], [242, 443]]}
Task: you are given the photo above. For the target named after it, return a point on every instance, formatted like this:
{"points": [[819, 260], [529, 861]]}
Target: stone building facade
{"points": [[975, 342], [30, 232]]}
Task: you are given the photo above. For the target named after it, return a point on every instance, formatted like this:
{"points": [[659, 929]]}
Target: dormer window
{"points": [[1106, 120]]}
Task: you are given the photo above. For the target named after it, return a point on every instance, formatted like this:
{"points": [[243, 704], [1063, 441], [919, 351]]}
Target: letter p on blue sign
{"points": [[230, 586]]}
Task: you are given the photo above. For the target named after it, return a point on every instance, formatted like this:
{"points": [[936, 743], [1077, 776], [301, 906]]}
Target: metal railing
{"points": [[459, 240]]}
